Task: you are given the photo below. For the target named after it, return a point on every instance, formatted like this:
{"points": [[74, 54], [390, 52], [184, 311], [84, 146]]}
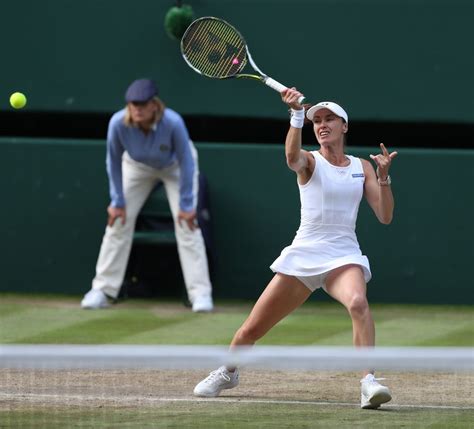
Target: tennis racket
{"points": [[214, 48]]}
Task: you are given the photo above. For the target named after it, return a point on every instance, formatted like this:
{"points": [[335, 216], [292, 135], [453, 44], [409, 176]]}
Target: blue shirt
{"points": [[166, 143]]}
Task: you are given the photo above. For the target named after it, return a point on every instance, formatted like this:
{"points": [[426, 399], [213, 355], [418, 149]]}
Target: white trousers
{"points": [[138, 181]]}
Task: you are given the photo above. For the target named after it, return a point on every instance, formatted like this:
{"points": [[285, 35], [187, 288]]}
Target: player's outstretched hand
{"points": [[383, 161]]}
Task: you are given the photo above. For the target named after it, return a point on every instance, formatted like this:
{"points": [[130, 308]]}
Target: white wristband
{"points": [[297, 118]]}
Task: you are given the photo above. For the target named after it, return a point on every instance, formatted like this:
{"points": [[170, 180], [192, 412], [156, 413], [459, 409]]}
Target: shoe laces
{"points": [[218, 373]]}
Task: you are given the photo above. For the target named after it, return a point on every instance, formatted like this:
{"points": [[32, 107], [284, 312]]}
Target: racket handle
{"points": [[277, 86]]}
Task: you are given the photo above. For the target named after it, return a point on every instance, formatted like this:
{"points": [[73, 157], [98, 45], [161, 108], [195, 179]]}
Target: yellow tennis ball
{"points": [[18, 100]]}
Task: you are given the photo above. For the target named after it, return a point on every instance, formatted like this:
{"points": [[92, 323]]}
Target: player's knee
{"points": [[358, 306]]}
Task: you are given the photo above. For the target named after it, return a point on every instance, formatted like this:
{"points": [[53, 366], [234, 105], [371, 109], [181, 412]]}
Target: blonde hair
{"points": [[128, 121]]}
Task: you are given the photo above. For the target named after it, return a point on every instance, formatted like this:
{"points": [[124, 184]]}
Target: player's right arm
{"points": [[297, 159]]}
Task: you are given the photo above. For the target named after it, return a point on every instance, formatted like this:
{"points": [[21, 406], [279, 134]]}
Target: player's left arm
{"points": [[377, 189]]}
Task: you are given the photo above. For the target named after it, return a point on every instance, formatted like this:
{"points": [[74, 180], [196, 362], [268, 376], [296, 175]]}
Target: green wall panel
{"points": [[55, 195], [383, 60]]}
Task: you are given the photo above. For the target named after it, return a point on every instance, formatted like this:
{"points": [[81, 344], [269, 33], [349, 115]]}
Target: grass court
{"points": [[276, 399]]}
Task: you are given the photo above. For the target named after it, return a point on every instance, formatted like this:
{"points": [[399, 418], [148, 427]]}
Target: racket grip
{"points": [[272, 83], [277, 86]]}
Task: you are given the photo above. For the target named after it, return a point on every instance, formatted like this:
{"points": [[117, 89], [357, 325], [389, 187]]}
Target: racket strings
{"points": [[213, 57], [214, 48], [215, 43]]}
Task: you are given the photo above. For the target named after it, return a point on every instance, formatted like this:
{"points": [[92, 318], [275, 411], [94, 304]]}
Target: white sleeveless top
{"points": [[326, 237]]}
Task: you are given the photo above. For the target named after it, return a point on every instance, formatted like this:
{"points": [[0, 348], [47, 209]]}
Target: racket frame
{"points": [[262, 77]]}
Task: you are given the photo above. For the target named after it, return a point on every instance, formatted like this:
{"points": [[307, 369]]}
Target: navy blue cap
{"points": [[141, 90]]}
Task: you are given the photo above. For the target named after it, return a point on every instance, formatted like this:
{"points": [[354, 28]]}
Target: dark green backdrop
{"points": [[408, 60], [393, 60], [54, 196]]}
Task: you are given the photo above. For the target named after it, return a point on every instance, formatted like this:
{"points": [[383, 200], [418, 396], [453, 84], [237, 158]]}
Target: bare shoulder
{"points": [[366, 165], [369, 171], [309, 156], [310, 161], [305, 173]]}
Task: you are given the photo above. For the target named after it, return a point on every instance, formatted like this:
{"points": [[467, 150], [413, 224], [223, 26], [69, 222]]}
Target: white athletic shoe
{"points": [[216, 381], [94, 299], [372, 393], [203, 304]]}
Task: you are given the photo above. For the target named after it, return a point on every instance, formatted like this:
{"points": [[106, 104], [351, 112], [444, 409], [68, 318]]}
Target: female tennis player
{"points": [[325, 252]]}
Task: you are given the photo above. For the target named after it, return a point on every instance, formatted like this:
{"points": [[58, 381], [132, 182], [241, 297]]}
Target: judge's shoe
{"points": [[372, 393], [216, 381], [203, 304], [94, 299]]}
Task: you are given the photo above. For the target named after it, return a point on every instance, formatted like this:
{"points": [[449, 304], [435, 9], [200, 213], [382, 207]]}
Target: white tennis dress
{"points": [[326, 237]]}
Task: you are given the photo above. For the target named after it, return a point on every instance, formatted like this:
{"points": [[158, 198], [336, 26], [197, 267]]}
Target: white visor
{"points": [[333, 107]]}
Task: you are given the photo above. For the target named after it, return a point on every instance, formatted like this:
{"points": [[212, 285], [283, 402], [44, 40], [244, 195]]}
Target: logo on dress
{"points": [[358, 175]]}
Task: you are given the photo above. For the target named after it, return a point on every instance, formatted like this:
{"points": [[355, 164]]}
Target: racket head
{"points": [[214, 48]]}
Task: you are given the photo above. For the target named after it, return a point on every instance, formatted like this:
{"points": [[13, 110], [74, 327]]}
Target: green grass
{"points": [[60, 320], [236, 416]]}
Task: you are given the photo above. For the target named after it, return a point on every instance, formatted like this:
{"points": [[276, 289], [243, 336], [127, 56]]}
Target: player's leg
{"points": [[347, 285], [282, 295], [138, 181]]}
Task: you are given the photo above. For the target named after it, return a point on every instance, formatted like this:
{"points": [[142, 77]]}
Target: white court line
{"points": [[88, 398]]}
